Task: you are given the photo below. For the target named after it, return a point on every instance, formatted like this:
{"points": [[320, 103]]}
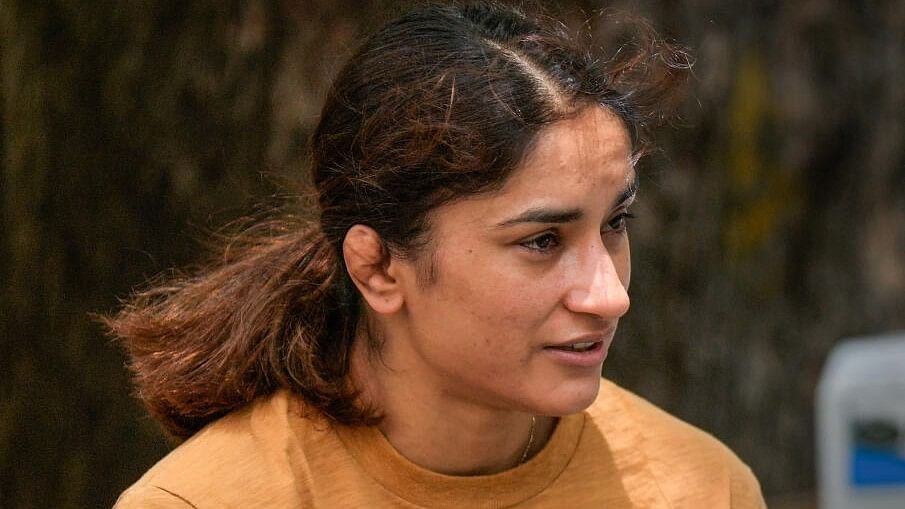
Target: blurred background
{"points": [[771, 222]]}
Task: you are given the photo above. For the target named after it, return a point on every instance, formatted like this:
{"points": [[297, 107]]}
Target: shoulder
{"points": [[677, 454], [244, 455], [655, 425], [151, 497]]}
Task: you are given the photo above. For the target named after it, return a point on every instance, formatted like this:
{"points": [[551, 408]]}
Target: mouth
{"points": [[585, 352], [585, 346]]}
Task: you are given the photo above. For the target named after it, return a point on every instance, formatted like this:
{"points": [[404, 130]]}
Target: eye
{"points": [[543, 243], [620, 222]]}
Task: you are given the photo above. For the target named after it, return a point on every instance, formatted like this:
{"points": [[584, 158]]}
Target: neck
{"points": [[439, 432]]}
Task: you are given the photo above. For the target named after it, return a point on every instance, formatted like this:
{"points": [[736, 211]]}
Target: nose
{"points": [[598, 289]]}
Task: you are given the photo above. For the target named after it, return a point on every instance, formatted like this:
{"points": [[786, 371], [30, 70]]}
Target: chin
{"points": [[570, 398]]}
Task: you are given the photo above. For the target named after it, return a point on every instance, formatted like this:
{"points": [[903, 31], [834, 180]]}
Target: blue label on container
{"points": [[875, 467], [876, 457]]}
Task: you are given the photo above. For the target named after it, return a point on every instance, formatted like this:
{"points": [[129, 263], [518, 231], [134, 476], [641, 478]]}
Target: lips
{"points": [[583, 342], [576, 347], [586, 351]]}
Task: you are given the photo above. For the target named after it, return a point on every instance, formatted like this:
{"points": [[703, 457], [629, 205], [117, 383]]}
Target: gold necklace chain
{"points": [[530, 440]]}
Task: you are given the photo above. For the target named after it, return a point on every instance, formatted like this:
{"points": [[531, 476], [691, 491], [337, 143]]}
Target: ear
{"points": [[370, 267]]}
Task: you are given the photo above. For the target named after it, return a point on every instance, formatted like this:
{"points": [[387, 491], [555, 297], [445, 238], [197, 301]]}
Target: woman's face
{"points": [[527, 284]]}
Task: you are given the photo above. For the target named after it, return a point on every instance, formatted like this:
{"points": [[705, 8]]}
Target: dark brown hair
{"points": [[439, 104]]}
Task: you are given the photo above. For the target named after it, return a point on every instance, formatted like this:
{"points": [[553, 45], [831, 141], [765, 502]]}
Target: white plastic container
{"points": [[860, 421]]}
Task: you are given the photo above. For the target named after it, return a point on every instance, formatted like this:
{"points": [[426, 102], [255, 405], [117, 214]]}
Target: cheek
{"points": [[499, 302], [494, 296]]}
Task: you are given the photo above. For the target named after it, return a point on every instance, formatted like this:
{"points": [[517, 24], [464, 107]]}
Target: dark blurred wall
{"points": [[771, 224]]}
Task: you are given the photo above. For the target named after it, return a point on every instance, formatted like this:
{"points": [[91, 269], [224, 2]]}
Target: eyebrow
{"points": [[560, 216]]}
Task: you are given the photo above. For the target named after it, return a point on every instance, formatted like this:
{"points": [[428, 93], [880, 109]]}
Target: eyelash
{"points": [[623, 219], [534, 243], [552, 236]]}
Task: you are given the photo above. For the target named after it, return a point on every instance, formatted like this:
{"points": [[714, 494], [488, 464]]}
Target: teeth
{"points": [[580, 347]]}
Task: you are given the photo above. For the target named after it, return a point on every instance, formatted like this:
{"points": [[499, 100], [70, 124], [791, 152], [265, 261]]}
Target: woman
{"points": [[435, 337]]}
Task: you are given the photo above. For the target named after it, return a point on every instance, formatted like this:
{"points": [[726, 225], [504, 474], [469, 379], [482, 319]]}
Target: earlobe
{"points": [[369, 265]]}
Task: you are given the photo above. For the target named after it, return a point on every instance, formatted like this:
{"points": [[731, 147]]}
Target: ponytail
{"points": [[276, 311]]}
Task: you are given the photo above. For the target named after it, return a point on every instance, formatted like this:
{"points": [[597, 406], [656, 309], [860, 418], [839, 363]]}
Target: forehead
{"points": [[583, 162], [590, 148]]}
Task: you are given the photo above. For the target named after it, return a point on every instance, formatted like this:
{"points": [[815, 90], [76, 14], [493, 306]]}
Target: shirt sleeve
{"points": [[151, 497]]}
